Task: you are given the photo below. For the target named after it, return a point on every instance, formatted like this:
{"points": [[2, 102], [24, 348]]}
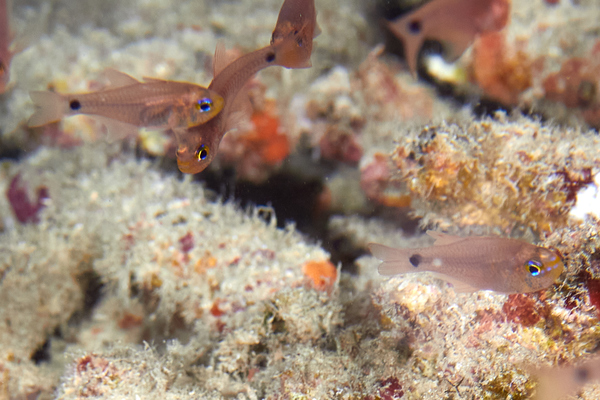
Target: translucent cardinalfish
{"points": [[453, 23], [564, 382], [5, 39], [476, 263], [153, 103], [291, 47]]}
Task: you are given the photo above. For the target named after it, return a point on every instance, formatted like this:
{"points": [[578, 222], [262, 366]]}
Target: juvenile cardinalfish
{"points": [[154, 103], [476, 263], [5, 39], [453, 23], [291, 47]]}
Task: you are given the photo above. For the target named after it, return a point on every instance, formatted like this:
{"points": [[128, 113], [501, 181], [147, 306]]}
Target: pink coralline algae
{"points": [[23, 208], [389, 389]]}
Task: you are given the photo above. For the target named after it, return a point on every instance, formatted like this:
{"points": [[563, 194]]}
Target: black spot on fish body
{"points": [[415, 260], [414, 27], [582, 374], [74, 105], [270, 57]]}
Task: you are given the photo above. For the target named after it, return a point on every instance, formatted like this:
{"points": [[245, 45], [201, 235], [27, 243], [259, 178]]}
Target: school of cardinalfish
{"points": [[200, 117]]}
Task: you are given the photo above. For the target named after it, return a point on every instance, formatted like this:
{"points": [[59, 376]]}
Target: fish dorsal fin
{"points": [[149, 79], [442, 239], [220, 60], [118, 78]]}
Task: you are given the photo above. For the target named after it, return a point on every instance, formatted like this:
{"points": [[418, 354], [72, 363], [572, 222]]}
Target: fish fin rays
{"points": [[50, 108], [412, 43], [442, 239], [119, 79], [222, 58], [117, 130], [458, 285], [396, 267], [386, 253], [395, 261], [149, 79]]}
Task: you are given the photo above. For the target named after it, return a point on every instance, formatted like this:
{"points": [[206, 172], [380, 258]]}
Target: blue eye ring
{"points": [[202, 152], [204, 105], [534, 267]]}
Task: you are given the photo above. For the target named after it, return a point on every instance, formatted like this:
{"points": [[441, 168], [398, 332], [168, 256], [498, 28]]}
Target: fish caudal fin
{"points": [[412, 42], [51, 108], [293, 36], [289, 54], [395, 261]]}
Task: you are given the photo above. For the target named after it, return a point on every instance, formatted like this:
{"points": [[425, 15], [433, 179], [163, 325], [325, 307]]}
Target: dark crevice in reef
{"points": [[42, 353], [91, 286], [293, 196], [296, 195]]}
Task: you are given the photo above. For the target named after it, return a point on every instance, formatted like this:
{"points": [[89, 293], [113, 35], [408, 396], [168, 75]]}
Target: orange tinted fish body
{"points": [[454, 23], [476, 263], [296, 22], [290, 47], [560, 383], [5, 39], [154, 103]]}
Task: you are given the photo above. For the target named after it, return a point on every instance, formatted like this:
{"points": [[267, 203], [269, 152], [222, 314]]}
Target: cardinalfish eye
{"points": [[204, 105], [202, 152], [534, 267]]}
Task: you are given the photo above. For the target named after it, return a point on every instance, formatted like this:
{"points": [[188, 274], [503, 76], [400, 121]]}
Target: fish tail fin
{"points": [[395, 261], [293, 35], [51, 108], [290, 54], [412, 42]]}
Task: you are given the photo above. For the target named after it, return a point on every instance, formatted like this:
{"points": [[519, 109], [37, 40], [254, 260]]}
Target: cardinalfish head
{"points": [[204, 105], [542, 268], [197, 147]]}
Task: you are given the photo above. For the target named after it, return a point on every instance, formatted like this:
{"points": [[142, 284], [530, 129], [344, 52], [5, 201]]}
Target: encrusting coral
{"points": [[509, 174]]}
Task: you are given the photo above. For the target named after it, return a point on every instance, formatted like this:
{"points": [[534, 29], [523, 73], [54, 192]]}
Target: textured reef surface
{"points": [[120, 277]]}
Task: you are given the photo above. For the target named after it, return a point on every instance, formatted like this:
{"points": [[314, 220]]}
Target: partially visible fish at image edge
{"points": [[291, 47], [453, 23], [154, 103], [5, 40], [564, 382], [476, 263]]}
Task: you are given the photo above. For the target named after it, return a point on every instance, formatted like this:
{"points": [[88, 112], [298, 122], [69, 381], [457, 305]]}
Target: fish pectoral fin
{"points": [[117, 130], [118, 78], [458, 285], [442, 238]]}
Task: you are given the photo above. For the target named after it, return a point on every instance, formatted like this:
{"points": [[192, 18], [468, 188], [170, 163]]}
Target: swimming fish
{"points": [[291, 47], [5, 39], [153, 103], [476, 263], [561, 382], [453, 23]]}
